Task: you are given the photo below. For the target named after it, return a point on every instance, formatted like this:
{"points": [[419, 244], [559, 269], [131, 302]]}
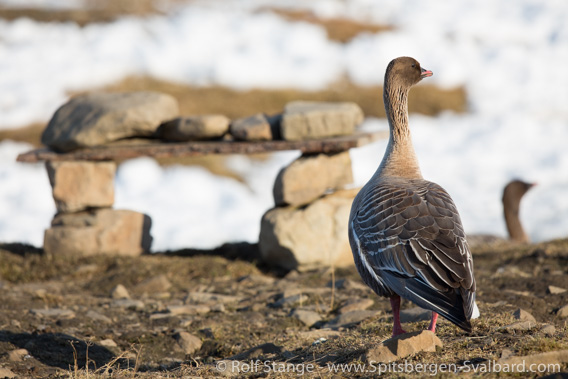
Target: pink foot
{"points": [[432, 326], [397, 327]]}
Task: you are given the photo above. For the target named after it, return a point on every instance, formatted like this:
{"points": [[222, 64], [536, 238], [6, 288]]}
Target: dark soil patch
{"points": [[90, 334]]}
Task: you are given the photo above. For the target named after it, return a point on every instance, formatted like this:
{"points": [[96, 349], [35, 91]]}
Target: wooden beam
{"points": [[120, 152]]}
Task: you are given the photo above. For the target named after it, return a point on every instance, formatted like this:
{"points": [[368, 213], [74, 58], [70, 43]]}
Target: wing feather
{"points": [[411, 234]]}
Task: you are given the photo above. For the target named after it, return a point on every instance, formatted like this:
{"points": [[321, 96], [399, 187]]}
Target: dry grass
{"points": [[338, 29], [95, 11], [424, 99]]}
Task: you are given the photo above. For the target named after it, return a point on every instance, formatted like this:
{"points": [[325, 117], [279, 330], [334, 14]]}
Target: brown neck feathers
{"points": [[399, 159]]}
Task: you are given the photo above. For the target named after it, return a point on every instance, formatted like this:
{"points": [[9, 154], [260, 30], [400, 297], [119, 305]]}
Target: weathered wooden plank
{"points": [[120, 152]]}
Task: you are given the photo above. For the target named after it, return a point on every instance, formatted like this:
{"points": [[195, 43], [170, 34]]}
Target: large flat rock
{"points": [[98, 118], [309, 177], [316, 235], [101, 231], [309, 119], [139, 148], [78, 185], [403, 346]]}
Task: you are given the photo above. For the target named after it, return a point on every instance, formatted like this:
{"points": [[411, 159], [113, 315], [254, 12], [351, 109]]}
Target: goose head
{"points": [[405, 72]]}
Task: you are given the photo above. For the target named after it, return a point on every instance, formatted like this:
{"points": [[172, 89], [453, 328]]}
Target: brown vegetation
{"points": [[508, 276]]}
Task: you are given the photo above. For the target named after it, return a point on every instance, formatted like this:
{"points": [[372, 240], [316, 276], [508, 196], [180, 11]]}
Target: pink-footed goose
{"points": [[405, 232], [512, 195]]}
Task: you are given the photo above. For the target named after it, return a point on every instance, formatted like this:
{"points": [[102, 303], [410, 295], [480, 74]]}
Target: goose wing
{"points": [[410, 235]]}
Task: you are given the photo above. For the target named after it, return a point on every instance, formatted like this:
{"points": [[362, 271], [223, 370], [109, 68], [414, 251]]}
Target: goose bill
{"points": [[426, 73]]}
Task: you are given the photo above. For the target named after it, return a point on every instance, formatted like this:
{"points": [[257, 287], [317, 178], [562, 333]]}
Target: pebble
{"points": [[314, 335], [53, 312], [188, 342], [107, 343], [95, 316], [129, 304], [17, 355], [521, 314], [5, 373], [119, 292], [348, 284], [206, 297], [519, 325], [356, 305], [548, 330], [219, 307], [553, 290], [350, 318], [289, 301], [188, 309], [563, 312], [308, 318]]}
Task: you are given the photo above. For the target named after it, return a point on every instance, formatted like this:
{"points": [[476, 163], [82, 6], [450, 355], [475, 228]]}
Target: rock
{"points": [[120, 292], [289, 301], [314, 335], [208, 297], [188, 309], [5, 373], [309, 177], [519, 325], [348, 284], [54, 312], [17, 355], [548, 330], [77, 186], [253, 128], [194, 128], [415, 314], [403, 346], [308, 120], [132, 305], [521, 314], [101, 231], [219, 307], [541, 360], [95, 316], [349, 319], [308, 237], [308, 318], [154, 285], [98, 118], [188, 342], [107, 343], [555, 290], [563, 312], [255, 280], [355, 305]]}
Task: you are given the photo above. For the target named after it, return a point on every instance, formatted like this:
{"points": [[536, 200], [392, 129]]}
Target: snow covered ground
{"points": [[510, 56]]}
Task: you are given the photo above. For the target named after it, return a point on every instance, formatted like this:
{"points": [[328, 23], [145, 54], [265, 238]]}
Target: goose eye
{"points": [[413, 65]]}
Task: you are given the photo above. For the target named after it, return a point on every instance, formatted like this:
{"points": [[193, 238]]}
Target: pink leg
{"points": [[395, 304], [432, 326]]}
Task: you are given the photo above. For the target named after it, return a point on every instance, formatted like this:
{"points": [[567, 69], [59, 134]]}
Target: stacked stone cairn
{"points": [[308, 226]]}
